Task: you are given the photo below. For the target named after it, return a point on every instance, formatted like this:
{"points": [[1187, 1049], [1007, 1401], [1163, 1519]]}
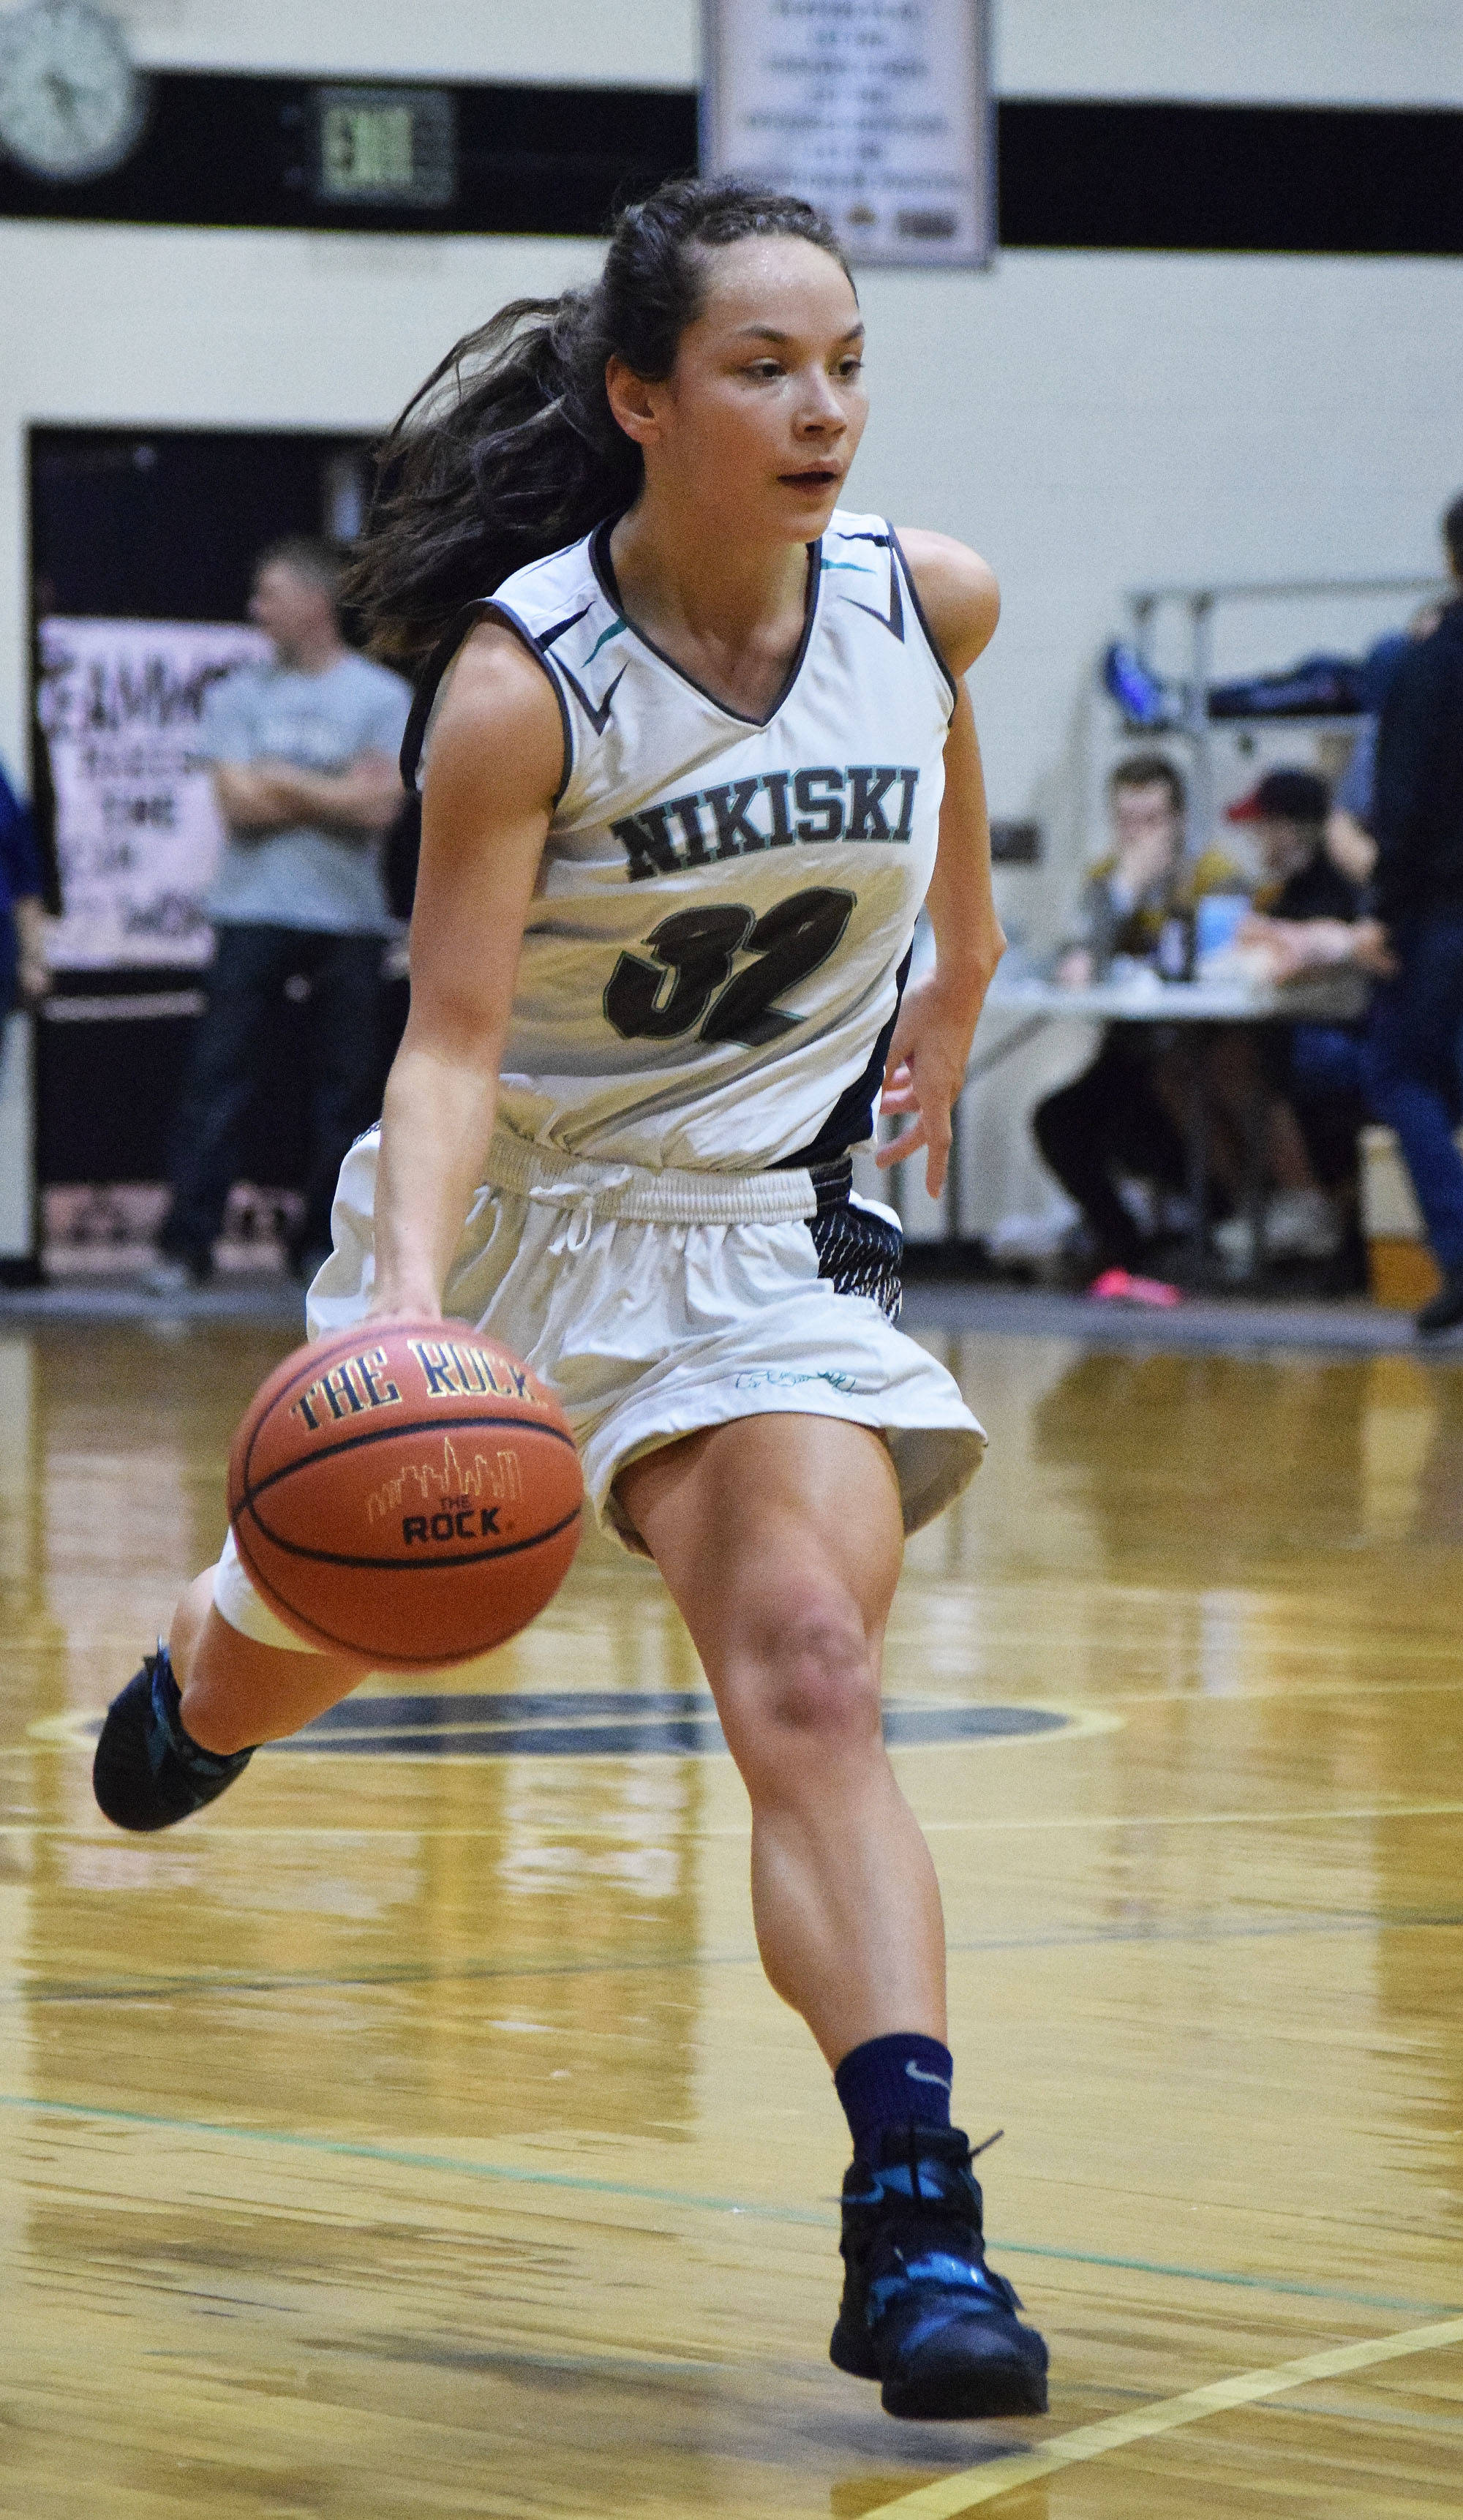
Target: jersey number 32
{"points": [[694, 950]]}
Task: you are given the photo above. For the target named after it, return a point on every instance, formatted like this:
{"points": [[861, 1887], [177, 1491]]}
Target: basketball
{"points": [[411, 1495]]}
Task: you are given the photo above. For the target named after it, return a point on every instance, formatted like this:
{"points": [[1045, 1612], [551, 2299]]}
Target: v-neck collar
{"points": [[604, 571]]}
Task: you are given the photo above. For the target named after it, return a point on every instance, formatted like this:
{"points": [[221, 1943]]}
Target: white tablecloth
{"points": [[1321, 997]]}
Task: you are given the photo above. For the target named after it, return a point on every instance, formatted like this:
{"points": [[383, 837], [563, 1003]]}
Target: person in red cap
{"points": [[1307, 1077], [1287, 810], [1306, 918]]}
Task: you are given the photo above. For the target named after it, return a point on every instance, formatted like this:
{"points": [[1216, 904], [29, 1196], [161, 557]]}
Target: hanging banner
{"points": [[137, 833], [877, 110]]}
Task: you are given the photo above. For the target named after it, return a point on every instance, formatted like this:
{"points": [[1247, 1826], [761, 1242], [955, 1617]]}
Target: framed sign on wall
{"points": [[877, 110]]}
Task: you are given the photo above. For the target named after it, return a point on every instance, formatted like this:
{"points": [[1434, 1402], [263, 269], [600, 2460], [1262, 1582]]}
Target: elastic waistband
{"points": [[645, 1197]]}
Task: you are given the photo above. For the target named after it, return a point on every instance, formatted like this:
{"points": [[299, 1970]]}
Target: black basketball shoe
{"points": [[148, 1771], [922, 2310]]}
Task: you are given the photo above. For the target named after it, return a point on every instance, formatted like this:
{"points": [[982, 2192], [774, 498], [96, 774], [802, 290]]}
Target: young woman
{"points": [[698, 748]]}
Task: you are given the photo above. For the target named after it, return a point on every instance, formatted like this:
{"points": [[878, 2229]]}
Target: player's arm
{"points": [[931, 1045], [493, 772]]}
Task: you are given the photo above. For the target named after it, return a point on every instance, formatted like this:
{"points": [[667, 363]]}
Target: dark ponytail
{"points": [[510, 449]]}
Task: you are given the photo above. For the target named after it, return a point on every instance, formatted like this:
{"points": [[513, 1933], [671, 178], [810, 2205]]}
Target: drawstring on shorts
{"points": [[597, 1192]]}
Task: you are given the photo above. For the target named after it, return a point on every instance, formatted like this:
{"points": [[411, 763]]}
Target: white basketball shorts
{"points": [[656, 1304]]}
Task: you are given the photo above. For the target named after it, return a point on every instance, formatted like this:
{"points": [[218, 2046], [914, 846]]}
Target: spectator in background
{"points": [[1348, 829], [23, 976], [304, 769], [1131, 893], [1416, 941], [1307, 1077], [1114, 1123], [1306, 907]]}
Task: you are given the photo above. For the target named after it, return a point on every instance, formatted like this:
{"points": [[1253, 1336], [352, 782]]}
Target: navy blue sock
{"points": [[902, 2080]]}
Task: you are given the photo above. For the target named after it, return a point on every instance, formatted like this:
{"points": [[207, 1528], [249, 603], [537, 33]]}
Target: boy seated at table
{"points": [[1130, 894], [1119, 1122]]}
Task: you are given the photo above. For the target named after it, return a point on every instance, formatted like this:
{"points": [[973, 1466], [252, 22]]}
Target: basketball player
{"points": [[698, 748]]}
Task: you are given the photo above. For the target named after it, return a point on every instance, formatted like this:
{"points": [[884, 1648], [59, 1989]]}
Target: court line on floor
{"points": [[1200, 1819], [1219, 2275], [951, 2496], [821, 2218], [90, 1836], [1397, 2418], [206, 1985], [982, 1827], [1291, 1687], [77, 1733]]}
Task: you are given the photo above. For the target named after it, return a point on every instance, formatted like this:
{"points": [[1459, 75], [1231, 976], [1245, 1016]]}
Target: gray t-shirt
{"points": [[327, 880]]}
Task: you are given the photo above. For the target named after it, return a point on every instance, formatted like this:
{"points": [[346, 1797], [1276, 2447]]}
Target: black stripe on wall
{"points": [[224, 151], [221, 150], [1231, 178]]}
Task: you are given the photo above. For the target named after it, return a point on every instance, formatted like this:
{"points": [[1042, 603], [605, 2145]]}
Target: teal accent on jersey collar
{"points": [[604, 637]]}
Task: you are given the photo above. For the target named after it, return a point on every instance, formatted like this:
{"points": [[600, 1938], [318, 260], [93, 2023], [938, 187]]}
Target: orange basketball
{"points": [[410, 1494]]}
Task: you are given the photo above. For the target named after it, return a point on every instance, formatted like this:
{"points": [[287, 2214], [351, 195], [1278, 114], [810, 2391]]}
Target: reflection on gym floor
{"points": [[415, 2133]]}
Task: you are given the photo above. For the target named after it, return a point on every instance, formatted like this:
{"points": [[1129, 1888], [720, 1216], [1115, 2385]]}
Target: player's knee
{"points": [[821, 1688]]}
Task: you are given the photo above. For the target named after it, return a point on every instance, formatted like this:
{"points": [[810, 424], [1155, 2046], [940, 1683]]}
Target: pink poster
{"points": [[136, 829]]}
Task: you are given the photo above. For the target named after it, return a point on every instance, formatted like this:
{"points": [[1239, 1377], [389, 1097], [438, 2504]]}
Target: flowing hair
{"points": [[509, 450]]}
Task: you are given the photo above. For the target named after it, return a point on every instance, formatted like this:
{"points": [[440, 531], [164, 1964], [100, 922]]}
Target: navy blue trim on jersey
{"points": [[860, 1253], [484, 607], [597, 711], [562, 629], [832, 1182], [893, 619], [539, 650], [410, 757], [604, 571], [850, 1123], [898, 553]]}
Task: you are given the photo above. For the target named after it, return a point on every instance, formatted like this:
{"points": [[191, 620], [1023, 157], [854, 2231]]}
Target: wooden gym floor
{"points": [[414, 2134]]}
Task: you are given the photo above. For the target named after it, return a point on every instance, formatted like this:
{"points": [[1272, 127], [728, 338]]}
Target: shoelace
{"points": [[973, 2152], [948, 2273]]}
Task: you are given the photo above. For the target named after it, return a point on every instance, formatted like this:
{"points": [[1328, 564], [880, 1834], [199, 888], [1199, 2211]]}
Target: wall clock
{"points": [[72, 99]]}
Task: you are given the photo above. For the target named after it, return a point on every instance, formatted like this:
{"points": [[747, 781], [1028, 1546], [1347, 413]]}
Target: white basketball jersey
{"points": [[712, 962]]}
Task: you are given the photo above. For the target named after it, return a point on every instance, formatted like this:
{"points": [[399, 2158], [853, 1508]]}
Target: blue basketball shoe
{"points": [[921, 2311], [148, 1771]]}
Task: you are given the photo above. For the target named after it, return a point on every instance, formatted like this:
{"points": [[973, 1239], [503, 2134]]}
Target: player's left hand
{"points": [[925, 1071]]}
